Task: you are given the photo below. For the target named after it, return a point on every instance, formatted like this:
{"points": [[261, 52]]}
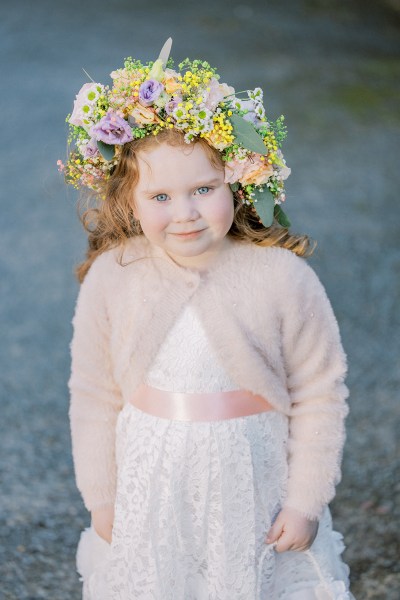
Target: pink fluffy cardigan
{"points": [[270, 323]]}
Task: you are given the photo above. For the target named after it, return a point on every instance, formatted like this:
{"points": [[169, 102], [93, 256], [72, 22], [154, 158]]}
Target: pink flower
{"points": [[121, 76], [252, 170], [258, 173], [234, 170], [218, 91]]}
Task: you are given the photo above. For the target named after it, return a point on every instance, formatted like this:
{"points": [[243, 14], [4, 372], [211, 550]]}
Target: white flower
{"points": [[84, 104], [244, 104], [188, 137], [203, 117], [260, 111], [256, 94]]}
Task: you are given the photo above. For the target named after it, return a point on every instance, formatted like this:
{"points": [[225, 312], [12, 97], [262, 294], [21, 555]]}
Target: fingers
{"points": [[287, 542], [275, 531], [292, 531]]}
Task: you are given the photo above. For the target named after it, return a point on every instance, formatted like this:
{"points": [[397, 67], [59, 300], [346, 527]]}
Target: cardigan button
{"points": [[190, 284]]}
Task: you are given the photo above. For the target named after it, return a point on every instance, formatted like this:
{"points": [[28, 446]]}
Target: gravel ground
{"points": [[332, 67]]}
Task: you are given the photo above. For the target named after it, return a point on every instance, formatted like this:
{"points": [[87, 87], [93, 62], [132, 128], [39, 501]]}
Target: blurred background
{"points": [[332, 68]]}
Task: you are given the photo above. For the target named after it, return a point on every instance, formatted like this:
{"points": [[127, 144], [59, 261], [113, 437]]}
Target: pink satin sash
{"points": [[198, 407]]}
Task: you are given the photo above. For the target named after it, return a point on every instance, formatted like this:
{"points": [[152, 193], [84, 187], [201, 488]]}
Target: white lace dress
{"points": [[196, 499]]}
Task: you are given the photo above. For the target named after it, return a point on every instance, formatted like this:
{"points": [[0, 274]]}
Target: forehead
{"points": [[175, 165]]}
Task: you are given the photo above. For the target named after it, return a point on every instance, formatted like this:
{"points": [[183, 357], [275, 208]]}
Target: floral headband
{"points": [[148, 98]]}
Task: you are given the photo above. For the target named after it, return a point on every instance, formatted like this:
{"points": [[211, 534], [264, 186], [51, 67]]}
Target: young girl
{"points": [[207, 394]]}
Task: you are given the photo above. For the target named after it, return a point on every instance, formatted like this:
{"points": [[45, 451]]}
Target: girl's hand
{"points": [[292, 531], [102, 521]]}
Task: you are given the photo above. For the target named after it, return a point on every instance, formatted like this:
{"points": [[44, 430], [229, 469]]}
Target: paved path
{"points": [[333, 69]]}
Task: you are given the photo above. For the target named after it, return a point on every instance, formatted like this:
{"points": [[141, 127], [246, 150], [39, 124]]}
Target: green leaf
{"points": [[106, 150], [281, 217], [264, 206], [247, 136], [234, 186]]}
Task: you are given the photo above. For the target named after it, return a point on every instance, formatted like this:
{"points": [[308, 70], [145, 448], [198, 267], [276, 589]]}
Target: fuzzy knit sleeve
{"points": [[95, 399], [316, 366]]}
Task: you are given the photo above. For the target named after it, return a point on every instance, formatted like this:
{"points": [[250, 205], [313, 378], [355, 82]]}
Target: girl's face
{"points": [[182, 203]]}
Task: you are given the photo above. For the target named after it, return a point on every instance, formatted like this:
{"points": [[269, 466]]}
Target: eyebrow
{"points": [[200, 183]]}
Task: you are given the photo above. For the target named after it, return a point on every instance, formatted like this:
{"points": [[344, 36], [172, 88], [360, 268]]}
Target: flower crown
{"points": [[148, 98]]}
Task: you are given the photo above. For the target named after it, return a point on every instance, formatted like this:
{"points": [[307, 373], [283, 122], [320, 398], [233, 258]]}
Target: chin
{"points": [[188, 252]]}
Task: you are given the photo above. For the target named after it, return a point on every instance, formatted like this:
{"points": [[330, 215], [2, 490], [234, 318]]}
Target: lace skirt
{"points": [[194, 503]]}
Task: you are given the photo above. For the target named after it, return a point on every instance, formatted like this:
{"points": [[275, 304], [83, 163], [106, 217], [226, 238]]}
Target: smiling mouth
{"points": [[189, 233]]}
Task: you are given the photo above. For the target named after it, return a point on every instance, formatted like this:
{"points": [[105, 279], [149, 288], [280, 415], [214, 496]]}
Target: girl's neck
{"points": [[203, 261]]}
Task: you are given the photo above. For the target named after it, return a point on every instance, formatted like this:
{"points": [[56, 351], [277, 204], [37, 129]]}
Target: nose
{"points": [[185, 209]]}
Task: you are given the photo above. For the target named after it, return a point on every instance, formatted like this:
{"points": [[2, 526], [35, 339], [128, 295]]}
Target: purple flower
{"points": [[112, 129], [90, 149], [149, 91], [172, 104]]}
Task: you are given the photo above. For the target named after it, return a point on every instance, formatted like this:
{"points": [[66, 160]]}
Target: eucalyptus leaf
{"points": [[247, 136], [265, 206], [106, 150], [281, 217], [234, 186]]}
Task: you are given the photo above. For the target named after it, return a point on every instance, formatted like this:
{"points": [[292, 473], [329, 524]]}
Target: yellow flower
{"points": [[216, 139]]}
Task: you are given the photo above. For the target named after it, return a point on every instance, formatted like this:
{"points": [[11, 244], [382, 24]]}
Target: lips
{"points": [[184, 233]]}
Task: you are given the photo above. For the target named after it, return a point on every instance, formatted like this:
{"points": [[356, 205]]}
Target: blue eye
{"points": [[161, 197], [203, 190]]}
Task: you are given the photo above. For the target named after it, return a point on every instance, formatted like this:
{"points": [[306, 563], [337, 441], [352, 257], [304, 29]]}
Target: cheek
{"points": [[152, 218], [222, 212]]}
